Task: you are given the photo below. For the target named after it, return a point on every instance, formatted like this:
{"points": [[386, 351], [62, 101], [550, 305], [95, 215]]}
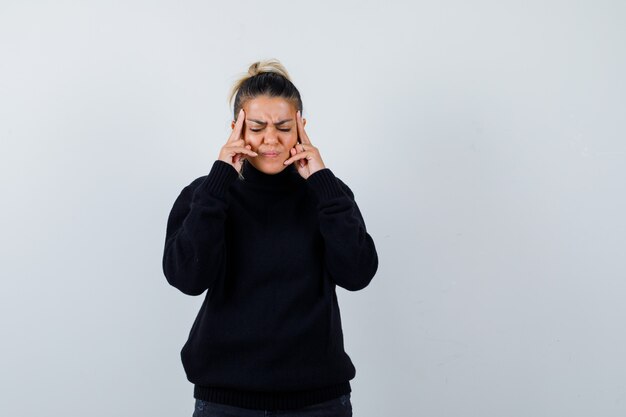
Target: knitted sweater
{"points": [[270, 250]]}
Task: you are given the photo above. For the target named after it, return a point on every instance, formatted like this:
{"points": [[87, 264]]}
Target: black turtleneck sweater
{"points": [[270, 250]]}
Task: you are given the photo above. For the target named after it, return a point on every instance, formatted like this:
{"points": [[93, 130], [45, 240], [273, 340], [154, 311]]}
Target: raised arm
{"points": [[349, 252], [194, 254]]}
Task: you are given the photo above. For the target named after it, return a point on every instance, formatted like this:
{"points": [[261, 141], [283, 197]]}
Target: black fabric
{"points": [[269, 250]]}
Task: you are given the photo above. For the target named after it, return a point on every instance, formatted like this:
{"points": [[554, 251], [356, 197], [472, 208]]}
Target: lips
{"points": [[271, 153]]}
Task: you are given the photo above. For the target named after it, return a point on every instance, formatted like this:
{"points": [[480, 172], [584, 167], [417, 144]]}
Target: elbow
{"points": [[356, 286], [184, 279], [357, 281], [355, 276], [192, 291], [185, 289], [368, 268], [361, 283], [184, 285]]}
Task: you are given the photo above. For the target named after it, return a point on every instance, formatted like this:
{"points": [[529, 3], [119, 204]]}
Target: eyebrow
{"points": [[261, 122]]}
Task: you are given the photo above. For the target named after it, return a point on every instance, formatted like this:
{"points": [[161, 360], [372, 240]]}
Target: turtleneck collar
{"points": [[284, 178]]}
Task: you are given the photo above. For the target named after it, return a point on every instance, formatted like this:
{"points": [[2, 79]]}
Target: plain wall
{"points": [[484, 142]]}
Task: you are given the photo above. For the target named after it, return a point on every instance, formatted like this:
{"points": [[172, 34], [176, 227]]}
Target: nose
{"points": [[271, 136]]}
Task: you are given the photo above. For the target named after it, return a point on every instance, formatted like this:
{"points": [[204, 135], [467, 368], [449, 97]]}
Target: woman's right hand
{"points": [[234, 151]]}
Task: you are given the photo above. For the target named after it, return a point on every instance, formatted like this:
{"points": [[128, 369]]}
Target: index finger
{"points": [[236, 133], [304, 138]]}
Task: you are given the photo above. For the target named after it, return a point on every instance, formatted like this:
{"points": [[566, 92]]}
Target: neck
{"points": [[284, 178]]}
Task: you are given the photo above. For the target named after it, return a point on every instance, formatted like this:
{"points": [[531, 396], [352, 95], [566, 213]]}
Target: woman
{"points": [[268, 233]]}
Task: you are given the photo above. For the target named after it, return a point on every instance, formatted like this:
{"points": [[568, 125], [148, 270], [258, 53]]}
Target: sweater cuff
{"points": [[325, 184], [219, 179]]}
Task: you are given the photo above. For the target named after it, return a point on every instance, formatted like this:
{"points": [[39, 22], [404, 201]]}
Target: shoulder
{"points": [[193, 184], [325, 177], [345, 187], [187, 190]]}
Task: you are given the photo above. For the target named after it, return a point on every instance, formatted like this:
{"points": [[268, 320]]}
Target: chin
{"points": [[273, 167]]}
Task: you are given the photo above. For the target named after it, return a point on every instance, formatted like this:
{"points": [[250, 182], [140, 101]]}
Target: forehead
{"points": [[268, 108]]}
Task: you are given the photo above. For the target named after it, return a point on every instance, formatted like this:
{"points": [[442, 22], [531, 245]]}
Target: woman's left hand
{"points": [[306, 156]]}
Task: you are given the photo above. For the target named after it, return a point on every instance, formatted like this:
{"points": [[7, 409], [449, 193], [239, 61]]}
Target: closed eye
{"points": [[282, 130]]}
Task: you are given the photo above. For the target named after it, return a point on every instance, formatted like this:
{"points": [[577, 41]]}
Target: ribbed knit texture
{"points": [[269, 251]]}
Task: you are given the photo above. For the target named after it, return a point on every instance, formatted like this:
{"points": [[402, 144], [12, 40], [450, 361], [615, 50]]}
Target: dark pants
{"points": [[338, 407]]}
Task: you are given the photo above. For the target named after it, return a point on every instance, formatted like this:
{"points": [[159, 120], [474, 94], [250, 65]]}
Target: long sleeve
{"points": [[194, 254], [349, 252]]}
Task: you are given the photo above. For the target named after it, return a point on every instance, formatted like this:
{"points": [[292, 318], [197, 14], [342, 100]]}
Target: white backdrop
{"points": [[484, 142]]}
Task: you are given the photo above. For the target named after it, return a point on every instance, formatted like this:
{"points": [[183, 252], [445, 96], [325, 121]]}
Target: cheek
{"points": [[292, 139], [251, 138]]}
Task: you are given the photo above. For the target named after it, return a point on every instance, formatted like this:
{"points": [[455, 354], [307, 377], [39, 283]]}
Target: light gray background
{"points": [[484, 142]]}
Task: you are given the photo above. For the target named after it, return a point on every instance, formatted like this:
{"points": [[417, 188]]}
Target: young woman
{"points": [[268, 234]]}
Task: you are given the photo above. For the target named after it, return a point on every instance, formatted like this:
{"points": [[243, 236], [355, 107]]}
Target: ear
{"points": [[232, 124], [303, 122]]}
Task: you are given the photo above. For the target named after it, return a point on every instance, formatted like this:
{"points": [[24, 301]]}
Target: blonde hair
{"points": [[266, 77]]}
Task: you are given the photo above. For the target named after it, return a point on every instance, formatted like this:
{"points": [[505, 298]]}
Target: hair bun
{"points": [[275, 82], [254, 69], [268, 65]]}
